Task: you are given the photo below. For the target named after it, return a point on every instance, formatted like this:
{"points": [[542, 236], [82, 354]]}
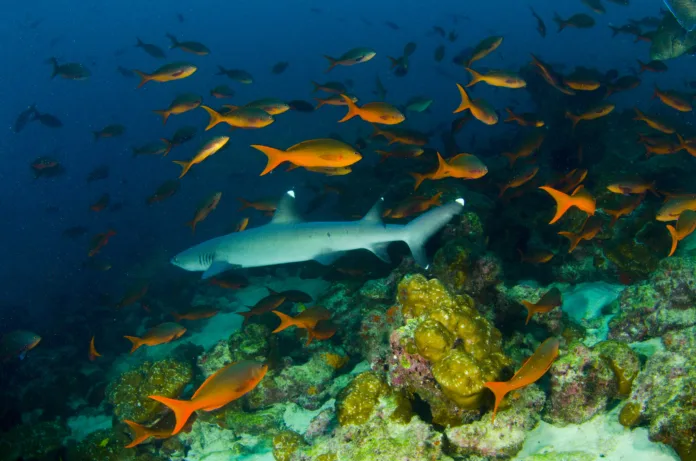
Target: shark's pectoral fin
{"points": [[380, 250], [218, 267], [327, 259]]}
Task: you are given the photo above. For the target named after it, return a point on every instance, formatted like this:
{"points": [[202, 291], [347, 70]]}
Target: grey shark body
{"points": [[287, 239]]}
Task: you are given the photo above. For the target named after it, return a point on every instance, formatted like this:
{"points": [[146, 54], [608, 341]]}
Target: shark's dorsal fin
{"points": [[286, 213], [374, 216]]}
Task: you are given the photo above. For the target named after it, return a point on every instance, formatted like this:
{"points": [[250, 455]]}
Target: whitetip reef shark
{"points": [[288, 239]]}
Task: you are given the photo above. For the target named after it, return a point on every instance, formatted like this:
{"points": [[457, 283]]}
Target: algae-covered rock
{"points": [[582, 382], [129, 393], [103, 445], [623, 362], [285, 444], [253, 342], [265, 421], [445, 352], [358, 400], [33, 441]]}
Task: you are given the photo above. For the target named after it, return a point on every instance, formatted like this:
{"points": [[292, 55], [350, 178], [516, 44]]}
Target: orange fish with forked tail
{"points": [[596, 112], [536, 256], [480, 108], [625, 208], [204, 209], [208, 149], [142, 433], [580, 199], [307, 319], [313, 153], [463, 166], [592, 227], [93, 354], [222, 387], [527, 147], [686, 224], [374, 112], [161, 334], [548, 302], [533, 369]]}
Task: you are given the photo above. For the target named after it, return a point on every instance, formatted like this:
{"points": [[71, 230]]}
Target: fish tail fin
{"points": [[530, 308], [614, 216], [275, 157], [614, 31], [169, 146], [641, 66], [144, 78], [139, 42], [511, 115], [682, 142], [175, 42], [320, 102], [140, 433], [310, 336], [417, 232], [332, 63], [639, 114], [573, 118], [316, 86], [185, 165], [394, 62], [503, 188], [558, 20], [245, 204], [176, 316], [215, 117], [675, 239], [466, 102], [137, 342], [563, 202], [499, 389], [573, 238], [353, 110], [164, 114], [419, 178], [221, 71], [285, 321], [54, 63], [182, 410], [475, 77], [436, 200]]}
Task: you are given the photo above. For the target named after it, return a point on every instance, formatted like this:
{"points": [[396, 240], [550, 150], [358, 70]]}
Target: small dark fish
{"points": [[153, 50], [440, 31], [125, 72], [75, 232], [392, 25], [280, 67], [188, 46], [69, 71], [452, 36], [180, 17], [24, 117], [410, 48], [628, 29], [620, 2], [100, 172], [439, 53], [300, 105], [164, 191], [239, 75], [47, 119], [183, 135], [46, 166], [541, 27]]}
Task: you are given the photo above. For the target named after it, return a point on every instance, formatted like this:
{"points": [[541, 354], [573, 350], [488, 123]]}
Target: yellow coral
{"points": [[357, 401], [285, 444], [336, 361], [463, 346], [630, 414]]}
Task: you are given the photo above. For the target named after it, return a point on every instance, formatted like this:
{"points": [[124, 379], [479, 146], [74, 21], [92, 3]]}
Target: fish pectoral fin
{"points": [[380, 250], [218, 267], [327, 259]]}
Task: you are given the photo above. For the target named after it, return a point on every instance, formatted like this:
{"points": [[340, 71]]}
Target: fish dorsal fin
{"points": [[374, 216], [286, 213]]}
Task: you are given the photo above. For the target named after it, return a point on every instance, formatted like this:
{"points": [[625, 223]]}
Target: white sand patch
{"points": [[83, 425], [602, 436]]}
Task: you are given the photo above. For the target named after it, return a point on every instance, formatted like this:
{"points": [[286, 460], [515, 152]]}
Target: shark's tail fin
{"points": [[418, 231]]}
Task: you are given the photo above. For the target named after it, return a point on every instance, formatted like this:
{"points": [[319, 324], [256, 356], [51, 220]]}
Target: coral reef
{"points": [[33, 441], [357, 401], [129, 393], [285, 444], [252, 342], [445, 352], [623, 362], [665, 302]]}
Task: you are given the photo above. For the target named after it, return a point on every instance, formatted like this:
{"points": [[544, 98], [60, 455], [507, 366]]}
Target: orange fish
{"points": [[351, 58], [580, 199], [549, 301], [307, 319], [653, 122], [242, 225], [479, 108], [592, 227], [484, 48], [197, 313], [142, 433], [134, 293], [243, 117], [209, 148], [315, 152], [204, 209], [629, 187], [230, 281], [374, 112], [98, 242], [673, 100], [533, 369], [324, 329], [663, 145], [550, 76], [181, 104], [596, 112], [401, 135], [267, 304], [167, 73], [625, 209], [267, 205], [100, 204], [581, 84], [571, 180], [463, 166], [536, 256], [686, 224], [334, 100], [161, 334], [497, 78], [674, 207], [93, 354], [529, 145], [524, 119], [414, 205], [222, 387], [519, 178]]}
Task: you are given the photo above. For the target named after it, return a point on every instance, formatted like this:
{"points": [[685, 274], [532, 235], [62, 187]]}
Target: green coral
{"points": [[32, 441], [266, 421], [357, 401], [452, 263], [623, 362], [630, 414], [129, 393], [285, 444], [465, 350]]}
